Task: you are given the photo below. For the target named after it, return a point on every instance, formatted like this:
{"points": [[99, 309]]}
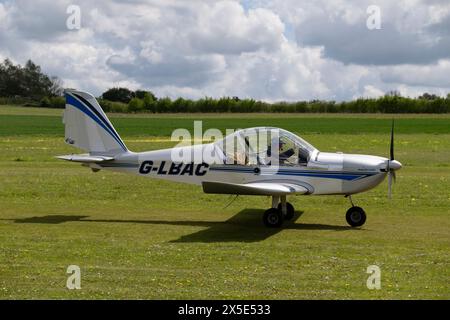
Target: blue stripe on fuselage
{"points": [[349, 176]]}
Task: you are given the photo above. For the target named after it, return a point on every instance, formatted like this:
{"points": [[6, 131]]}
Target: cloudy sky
{"points": [[263, 49]]}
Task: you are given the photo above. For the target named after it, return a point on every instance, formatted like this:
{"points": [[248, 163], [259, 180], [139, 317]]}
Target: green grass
{"points": [[140, 238], [160, 125]]}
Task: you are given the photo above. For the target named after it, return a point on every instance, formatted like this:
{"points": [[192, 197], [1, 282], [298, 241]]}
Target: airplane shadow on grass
{"points": [[245, 226]]}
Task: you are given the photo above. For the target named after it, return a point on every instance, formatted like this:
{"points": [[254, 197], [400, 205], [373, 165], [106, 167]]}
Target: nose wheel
{"points": [[355, 216]]}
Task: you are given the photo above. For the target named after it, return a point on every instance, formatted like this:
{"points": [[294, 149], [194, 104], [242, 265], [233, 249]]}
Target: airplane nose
{"points": [[395, 165]]}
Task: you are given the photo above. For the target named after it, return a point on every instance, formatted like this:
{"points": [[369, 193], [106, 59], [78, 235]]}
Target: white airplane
{"points": [[237, 166]]}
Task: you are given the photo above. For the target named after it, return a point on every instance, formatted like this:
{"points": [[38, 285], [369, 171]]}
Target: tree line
{"points": [[28, 85]]}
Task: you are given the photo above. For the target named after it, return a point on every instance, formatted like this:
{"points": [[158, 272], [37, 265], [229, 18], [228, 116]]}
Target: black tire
{"points": [[273, 218], [289, 211], [355, 216]]}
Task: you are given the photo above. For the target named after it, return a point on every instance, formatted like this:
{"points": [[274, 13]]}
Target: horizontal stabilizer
{"points": [[85, 158]]}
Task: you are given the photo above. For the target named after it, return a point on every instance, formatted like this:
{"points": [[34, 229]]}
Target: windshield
{"points": [[261, 146]]}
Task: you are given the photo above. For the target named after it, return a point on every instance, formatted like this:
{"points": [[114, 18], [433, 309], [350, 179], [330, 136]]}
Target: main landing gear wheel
{"points": [[289, 211], [273, 218], [355, 216]]}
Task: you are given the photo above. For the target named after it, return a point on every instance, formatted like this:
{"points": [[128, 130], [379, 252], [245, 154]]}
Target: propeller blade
{"points": [[390, 184], [392, 141], [396, 164]]}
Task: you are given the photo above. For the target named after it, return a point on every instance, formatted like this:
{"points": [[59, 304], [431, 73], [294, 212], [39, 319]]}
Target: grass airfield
{"points": [[137, 238]]}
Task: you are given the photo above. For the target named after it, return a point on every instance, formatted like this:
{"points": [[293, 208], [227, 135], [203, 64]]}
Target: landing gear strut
{"points": [[355, 216], [280, 211], [289, 211]]}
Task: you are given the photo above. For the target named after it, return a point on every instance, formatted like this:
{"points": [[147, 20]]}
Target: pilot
{"points": [[283, 155]]}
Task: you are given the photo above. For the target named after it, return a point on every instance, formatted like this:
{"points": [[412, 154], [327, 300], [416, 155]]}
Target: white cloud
{"points": [[271, 50], [434, 75], [371, 92], [225, 28], [410, 30]]}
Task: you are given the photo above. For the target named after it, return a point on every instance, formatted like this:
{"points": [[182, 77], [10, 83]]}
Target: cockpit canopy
{"points": [[265, 146]]}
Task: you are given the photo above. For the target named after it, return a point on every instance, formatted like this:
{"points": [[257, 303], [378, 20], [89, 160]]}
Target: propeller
{"points": [[392, 164]]}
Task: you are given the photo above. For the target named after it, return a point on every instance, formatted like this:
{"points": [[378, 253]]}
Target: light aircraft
{"points": [[283, 165]]}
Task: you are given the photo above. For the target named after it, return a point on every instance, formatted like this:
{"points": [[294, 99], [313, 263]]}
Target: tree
{"points": [[56, 88], [135, 105], [35, 83], [28, 81], [164, 105], [149, 102], [428, 96], [180, 105], [118, 94], [393, 93], [10, 79], [142, 93]]}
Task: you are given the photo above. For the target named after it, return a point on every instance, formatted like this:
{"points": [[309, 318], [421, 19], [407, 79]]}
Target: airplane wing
{"points": [[85, 158], [254, 188]]}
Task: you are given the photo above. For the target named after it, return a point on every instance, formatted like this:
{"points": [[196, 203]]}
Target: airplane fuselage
{"points": [[324, 174]]}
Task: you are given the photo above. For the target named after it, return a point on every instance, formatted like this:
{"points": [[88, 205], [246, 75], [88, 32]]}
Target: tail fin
{"points": [[88, 127]]}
